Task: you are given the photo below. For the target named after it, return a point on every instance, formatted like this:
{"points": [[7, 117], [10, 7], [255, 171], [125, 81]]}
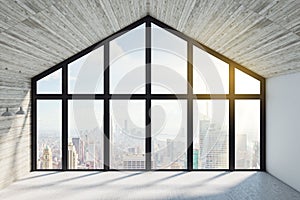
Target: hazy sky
{"points": [[127, 75]]}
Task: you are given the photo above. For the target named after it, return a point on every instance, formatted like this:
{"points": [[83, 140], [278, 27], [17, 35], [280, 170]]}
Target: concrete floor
{"points": [[149, 185]]}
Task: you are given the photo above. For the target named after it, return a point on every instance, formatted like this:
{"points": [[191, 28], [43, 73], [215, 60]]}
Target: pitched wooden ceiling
{"points": [[262, 35]]}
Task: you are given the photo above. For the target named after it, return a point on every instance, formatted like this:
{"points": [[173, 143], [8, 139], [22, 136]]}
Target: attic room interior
{"points": [[150, 99]]}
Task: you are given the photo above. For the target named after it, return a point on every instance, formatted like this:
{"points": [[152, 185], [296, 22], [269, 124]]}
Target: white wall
{"points": [[283, 128]]}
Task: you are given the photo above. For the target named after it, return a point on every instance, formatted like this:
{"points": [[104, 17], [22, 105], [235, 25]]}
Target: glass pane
{"points": [[247, 134], [50, 84], [127, 134], [211, 139], [49, 131], [210, 74], [245, 84], [85, 75], [169, 134], [127, 62], [169, 62], [85, 142]]}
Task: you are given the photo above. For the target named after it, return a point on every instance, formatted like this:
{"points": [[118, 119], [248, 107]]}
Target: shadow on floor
{"points": [[153, 185]]}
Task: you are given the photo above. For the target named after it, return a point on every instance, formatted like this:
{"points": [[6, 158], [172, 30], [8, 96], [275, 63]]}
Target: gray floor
{"points": [[149, 185]]}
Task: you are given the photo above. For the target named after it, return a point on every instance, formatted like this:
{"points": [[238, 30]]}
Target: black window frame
{"points": [[106, 97]]}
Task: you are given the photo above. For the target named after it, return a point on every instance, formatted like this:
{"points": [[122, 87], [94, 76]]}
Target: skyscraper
{"points": [[213, 141], [72, 156], [79, 147], [47, 158], [242, 158], [134, 161], [195, 158]]}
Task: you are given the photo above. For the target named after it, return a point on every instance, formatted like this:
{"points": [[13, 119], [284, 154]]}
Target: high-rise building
{"points": [[46, 161], [242, 157], [79, 147], [170, 150], [72, 156], [255, 155], [91, 155], [213, 142], [131, 150], [195, 158], [241, 142], [125, 126], [135, 161]]}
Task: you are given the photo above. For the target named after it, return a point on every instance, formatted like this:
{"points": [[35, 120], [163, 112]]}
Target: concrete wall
{"points": [[14, 130], [283, 128]]}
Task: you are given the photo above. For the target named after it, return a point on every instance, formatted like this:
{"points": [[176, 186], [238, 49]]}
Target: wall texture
{"points": [[14, 130], [283, 128], [262, 35]]}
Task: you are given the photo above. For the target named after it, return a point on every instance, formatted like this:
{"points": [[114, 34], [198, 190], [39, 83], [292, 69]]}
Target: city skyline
{"points": [[163, 154], [168, 117]]}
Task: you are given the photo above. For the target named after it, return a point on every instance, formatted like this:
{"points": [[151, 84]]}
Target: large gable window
{"points": [[148, 98]]}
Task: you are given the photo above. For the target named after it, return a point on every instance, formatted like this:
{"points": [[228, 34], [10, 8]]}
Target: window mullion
{"points": [[263, 127], [64, 118], [231, 119], [190, 107], [231, 97], [106, 120], [33, 126], [148, 94]]}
